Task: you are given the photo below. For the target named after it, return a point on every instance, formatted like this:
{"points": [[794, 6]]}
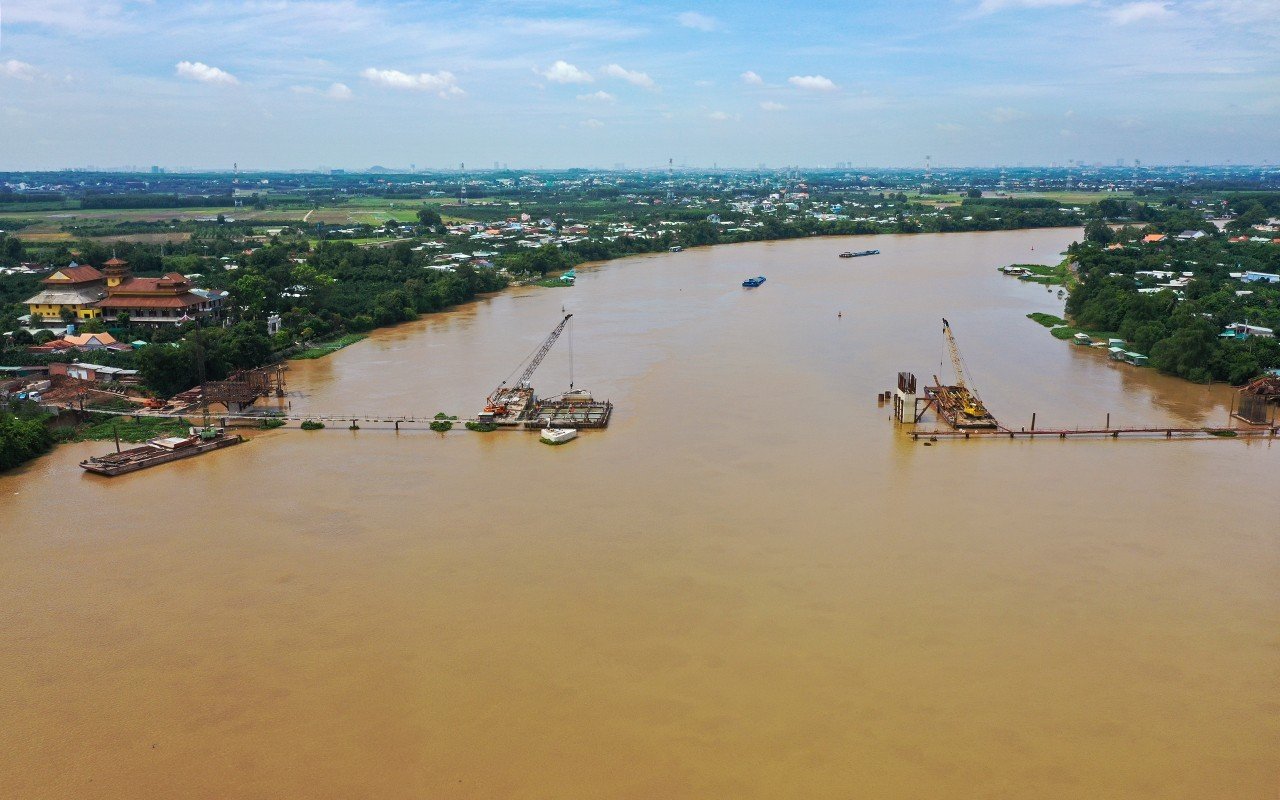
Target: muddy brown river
{"points": [[751, 585]]}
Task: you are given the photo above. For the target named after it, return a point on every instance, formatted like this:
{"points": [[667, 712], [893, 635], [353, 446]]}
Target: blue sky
{"points": [[351, 83]]}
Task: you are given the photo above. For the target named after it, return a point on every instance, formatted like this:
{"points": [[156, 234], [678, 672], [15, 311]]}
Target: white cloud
{"points": [[992, 6], [814, 83], [699, 22], [339, 91], [769, 105], [564, 72], [598, 97], [71, 16], [592, 123], [18, 69], [1138, 12], [443, 83], [752, 79], [949, 127], [1003, 114], [198, 71], [718, 116], [630, 76]]}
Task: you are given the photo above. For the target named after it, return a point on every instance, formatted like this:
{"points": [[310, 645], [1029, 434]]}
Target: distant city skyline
{"points": [[347, 84]]}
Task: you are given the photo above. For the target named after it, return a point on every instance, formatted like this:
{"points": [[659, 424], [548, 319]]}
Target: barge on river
{"points": [[859, 253], [161, 451]]}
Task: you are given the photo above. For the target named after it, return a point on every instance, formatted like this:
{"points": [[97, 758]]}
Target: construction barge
{"points": [[161, 451], [961, 409], [517, 406], [958, 407]]}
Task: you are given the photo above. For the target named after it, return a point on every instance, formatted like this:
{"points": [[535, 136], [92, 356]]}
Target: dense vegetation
{"points": [[1179, 329], [23, 436]]}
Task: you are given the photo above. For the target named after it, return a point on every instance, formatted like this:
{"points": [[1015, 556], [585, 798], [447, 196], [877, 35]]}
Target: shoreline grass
{"points": [[325, 348]]}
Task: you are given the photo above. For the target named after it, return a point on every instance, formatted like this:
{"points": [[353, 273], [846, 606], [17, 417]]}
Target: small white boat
{"points": [[558, 435]]}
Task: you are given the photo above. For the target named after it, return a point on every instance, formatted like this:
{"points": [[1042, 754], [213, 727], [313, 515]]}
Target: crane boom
{"points": [[954, 350], [537, 357], [542, 351], [970, 403]]}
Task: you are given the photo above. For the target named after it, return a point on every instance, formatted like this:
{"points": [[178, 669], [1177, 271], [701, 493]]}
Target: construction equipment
{"points": [[965, 394], [499, 400]]}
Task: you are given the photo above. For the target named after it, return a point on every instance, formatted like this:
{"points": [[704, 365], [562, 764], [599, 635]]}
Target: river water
{"points": [[750, 585]]}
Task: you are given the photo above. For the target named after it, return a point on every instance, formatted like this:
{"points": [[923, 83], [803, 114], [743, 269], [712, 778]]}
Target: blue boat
{"points": [[751, 283], [848, 254]]}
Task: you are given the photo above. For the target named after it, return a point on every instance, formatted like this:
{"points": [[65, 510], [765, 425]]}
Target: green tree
{"points": [[11, 249], [21, 439], [429, 217], [1098, 232], [167, 369], [246, 346]]}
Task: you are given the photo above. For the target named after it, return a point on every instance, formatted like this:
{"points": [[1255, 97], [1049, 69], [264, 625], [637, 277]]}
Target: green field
{"points": [[46, 224]]}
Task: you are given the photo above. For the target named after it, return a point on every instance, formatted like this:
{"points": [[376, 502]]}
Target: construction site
{"points": [[515, 404], [960, 413]]}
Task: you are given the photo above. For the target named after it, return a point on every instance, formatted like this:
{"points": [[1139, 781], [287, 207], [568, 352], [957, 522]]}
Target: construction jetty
{"points": [[516, 405], [160, 451], [961, 413]]}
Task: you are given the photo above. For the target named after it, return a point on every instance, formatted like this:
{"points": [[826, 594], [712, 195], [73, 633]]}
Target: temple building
{"points": [[73, 287], [165, 300], [91, 294]]}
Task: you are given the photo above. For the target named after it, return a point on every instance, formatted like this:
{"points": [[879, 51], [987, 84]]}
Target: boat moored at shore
{"points": [[161, 451]]}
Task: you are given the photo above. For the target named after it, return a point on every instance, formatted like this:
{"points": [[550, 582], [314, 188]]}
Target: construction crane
{"points": [[970, 403], [496, 402]]}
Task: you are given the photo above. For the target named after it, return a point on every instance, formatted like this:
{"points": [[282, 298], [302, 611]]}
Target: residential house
{"points": [[1243, 330], [1260, 277]]}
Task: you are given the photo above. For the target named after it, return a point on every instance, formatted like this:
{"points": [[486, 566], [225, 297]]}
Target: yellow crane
{"points": [[970, 403]]}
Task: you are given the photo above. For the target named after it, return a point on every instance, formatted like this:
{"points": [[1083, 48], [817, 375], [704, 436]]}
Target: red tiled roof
{"points": [[77, 274], [172, 283], [184, 300], [115, 262]]}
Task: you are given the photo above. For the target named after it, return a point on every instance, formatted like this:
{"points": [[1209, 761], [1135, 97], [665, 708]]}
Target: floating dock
{"points": [[572, 413]]}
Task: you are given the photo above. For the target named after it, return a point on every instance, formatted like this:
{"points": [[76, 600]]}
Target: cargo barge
{"points": [[859, 253], [161, 451]]}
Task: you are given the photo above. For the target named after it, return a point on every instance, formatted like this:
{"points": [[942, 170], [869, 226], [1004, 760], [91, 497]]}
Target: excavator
{"points": [[965, 394], [497, 401]]}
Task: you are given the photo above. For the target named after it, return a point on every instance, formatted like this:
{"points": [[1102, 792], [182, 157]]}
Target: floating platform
{"points": [[569, 413], [156, 452]]}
